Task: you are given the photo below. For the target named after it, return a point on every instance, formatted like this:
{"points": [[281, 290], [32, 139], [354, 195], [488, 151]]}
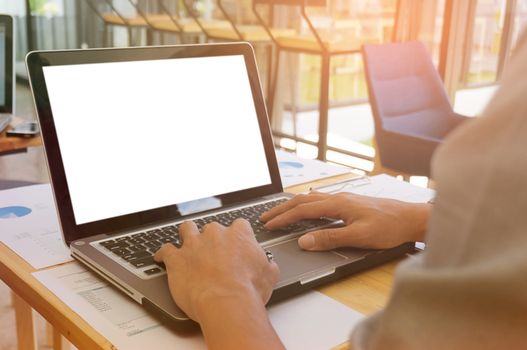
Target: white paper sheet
{"points": [[309, 321], [29, 226], [295, 171], [382, 186]]}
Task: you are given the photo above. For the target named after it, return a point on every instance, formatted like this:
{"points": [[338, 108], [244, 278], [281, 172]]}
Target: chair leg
{"points": [[323, 108], [378, 168], [105, 36], [130, 38], [292, 91], [269, 76], [149, 37], [377, 165], [270, 102]]}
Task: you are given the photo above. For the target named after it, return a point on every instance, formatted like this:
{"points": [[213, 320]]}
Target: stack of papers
{"points": [[381, 186], [295, 170], [309, 321]]}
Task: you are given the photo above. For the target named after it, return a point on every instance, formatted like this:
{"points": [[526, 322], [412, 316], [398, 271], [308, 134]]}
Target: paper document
{"points": [[29, 226], [309, 321], [295, 170], [382, 186]]}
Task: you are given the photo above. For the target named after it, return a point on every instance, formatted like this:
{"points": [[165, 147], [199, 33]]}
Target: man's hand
{"points": [[220, 263], [369, 222], [222, 279]]}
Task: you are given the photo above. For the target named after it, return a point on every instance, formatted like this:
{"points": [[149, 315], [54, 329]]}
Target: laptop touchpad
{"points": [[295, 262]]}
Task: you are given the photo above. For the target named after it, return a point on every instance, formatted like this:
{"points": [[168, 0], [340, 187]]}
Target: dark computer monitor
{"points": [[7, 76]]}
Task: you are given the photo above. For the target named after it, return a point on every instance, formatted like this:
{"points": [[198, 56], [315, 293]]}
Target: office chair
{"points": [[410, 107], [8, 184]]}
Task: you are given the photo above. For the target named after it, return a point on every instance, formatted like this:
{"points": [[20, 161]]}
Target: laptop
{"points": [[138, 140], [7, 71]]}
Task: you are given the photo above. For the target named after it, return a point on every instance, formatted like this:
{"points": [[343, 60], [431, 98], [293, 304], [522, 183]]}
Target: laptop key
{"points": [[152, 271], [117, 245], [136, 255], [137, 240], [165, 240], [177, 242], [106, 243], [120, 251], [137, 247], [153, 250], [151, 237], [152, 244], [142, 262]]}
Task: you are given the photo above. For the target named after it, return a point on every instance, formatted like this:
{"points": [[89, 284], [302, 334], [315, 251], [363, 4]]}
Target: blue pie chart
{"points": [[13, 212], [290, 165]]}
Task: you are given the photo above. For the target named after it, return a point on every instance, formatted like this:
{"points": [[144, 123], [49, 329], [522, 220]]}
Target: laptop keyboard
{"points": [[137, 250]]}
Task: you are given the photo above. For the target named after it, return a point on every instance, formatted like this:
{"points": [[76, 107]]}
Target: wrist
{"points": [[236, 320], [420, 213], [214, 300]]}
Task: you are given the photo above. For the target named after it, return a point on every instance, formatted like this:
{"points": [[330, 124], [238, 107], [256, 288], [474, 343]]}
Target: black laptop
{"points": [[139, 140]]}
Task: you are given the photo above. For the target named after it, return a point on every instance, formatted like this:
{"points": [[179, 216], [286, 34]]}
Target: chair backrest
{"points": [[120, 8], [402, 80]]}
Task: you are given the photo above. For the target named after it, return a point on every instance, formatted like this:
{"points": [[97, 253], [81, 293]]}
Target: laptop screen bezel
{"points": [[7, 21], [71, 231]]}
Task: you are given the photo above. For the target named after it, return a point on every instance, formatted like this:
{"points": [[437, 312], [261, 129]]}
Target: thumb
{"points": [[326, 239]]}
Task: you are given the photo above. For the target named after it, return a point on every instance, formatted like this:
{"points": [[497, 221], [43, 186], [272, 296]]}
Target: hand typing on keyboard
{"points": [[369, 222], [222, 271]]}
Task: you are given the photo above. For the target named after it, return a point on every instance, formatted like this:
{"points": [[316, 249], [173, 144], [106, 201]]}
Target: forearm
{"points": [[238, 323]]}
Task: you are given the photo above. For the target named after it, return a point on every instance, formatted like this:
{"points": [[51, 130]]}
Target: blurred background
{"points": [[469, 41]]}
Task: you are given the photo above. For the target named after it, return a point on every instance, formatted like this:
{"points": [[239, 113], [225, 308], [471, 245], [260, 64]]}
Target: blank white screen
{"points": [[146, 134]]}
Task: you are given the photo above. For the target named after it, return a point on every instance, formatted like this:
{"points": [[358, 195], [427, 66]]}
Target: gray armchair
{"points": [[411, 110]]}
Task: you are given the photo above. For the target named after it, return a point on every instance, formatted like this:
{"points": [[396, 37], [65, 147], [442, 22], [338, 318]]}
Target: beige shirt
{"points": [[468, 290]]}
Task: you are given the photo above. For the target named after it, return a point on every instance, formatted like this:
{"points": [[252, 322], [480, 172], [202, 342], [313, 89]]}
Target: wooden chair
{"points": [[339, 38], [161, 16], [243, 26], [239, 24], [117, 14]]}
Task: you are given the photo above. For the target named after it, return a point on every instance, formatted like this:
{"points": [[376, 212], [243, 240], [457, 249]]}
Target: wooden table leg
{"points": [[59, 342], [49, 334], [25, 325]]}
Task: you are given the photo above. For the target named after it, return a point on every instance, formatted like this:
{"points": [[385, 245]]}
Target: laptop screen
{"points": [[140, 135]]}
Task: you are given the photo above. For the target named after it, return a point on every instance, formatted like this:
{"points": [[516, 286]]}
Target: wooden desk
{"points": [[9, 145], [365, 292]]}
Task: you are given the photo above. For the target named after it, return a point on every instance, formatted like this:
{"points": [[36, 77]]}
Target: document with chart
{"points": [[29, 226]]}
